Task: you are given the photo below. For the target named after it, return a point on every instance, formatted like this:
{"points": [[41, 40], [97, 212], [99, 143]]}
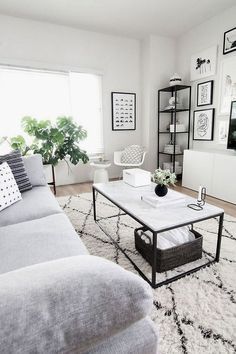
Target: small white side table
{"points": [[100, 173]]}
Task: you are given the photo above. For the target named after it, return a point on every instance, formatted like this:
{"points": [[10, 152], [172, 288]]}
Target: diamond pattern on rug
{"points": [[195, 314]]}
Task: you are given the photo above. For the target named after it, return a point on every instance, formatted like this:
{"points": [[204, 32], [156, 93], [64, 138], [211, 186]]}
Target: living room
{"points": [[117, 186]]}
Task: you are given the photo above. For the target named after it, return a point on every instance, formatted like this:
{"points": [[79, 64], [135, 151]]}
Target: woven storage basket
{"points": [[171, 257]]}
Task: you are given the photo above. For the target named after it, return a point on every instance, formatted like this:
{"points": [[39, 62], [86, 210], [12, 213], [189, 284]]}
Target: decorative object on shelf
{"points": [[203, 124], [169, 166], [172, 102], [227, 85], [223, 132], [163, 178], [205, 93], [123, 107], [203, 64], [200, 200], [175, 79], [229, 41], [169, 148], [179, 128]]}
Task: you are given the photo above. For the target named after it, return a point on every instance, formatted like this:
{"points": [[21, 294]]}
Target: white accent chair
{"points": [[117, 161]]}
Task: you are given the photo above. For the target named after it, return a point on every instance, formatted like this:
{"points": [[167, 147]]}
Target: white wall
{"points": [[158, 64], [199, 38], [38, 44]]}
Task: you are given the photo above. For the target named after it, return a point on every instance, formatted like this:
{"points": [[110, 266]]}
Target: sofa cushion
{"points": [[68, 305], [34, 169], [139, 338], [9, 191], [37, 241], [36, 203], [14, 160]]}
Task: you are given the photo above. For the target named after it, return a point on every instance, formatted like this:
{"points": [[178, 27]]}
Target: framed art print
{"points": [[123, 107], [203, 124], [203, 64], [227, 85], [229, 41], [205, 93]]}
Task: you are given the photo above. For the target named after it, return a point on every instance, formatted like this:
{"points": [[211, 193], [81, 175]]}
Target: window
{"points": [[49, 94]]}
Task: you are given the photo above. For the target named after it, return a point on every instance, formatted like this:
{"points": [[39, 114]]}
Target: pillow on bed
{"points": [[9, 191], [14, 160]]}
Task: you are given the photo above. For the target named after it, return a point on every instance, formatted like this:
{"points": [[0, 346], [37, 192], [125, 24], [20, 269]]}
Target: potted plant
{"points": [[54, 142], [163, 178]]}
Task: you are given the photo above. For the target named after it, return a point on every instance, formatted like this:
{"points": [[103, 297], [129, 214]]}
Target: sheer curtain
{"points": [[47, 95]]}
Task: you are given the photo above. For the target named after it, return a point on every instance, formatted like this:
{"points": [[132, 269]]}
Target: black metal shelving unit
{"points": [[173, 90]]}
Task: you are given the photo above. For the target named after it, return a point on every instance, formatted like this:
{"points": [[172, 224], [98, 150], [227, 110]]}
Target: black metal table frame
{"points": [[154, 242]]}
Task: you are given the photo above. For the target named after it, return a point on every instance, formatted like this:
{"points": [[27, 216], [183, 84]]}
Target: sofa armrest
{"points": [[68, 304]]}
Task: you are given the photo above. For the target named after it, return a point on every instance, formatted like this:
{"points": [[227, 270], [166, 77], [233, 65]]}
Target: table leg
{"points": [[154, 259], [220, 228], [94, 205]]}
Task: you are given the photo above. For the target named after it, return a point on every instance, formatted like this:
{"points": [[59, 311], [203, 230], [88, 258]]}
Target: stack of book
{"points": [[171, 198]]}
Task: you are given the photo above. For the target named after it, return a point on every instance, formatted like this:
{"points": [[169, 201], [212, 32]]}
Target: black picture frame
{"points": [[209, 102], [123, 110], [233, 44], [205, 130]]}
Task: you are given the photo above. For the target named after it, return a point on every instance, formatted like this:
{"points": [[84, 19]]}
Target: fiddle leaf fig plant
{"points": [[54, 142]]}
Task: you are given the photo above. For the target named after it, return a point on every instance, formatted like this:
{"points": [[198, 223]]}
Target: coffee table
{"points": [[157, 220]]}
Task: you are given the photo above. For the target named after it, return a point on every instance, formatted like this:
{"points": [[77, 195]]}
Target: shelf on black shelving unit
{"points": [[168, 132], [165, 153], [174, 88], [173, 110]]}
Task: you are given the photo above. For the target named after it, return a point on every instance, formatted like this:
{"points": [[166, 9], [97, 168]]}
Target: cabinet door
{"points": [[224, 178], [197, 170]]}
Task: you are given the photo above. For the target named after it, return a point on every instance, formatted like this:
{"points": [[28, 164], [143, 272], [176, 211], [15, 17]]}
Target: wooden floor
{"points": [[87, 187]]}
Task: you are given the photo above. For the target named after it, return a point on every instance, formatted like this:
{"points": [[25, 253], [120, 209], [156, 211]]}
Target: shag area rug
{"points": [[194, 315]]}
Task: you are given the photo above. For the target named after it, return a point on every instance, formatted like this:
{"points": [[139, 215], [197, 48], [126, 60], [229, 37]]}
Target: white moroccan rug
{"points": [[194, 315]]}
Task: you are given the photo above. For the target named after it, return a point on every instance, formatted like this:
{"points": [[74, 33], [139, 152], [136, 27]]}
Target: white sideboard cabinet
{"points": [[214, 170]]}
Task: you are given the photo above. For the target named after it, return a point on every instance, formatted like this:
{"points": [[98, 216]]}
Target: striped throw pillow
{"points": [[14, 160]]}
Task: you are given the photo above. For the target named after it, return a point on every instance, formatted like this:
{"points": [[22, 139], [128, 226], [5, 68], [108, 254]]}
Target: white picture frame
{"points": [[223, 132], [227, 86], [203, 64]]}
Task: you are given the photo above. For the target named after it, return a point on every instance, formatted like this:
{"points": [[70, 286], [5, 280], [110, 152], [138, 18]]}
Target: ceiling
{"points": [[133, 18]]}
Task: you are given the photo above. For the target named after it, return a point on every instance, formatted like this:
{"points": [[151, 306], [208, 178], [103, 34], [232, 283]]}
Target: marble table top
{"points": [[129, 199]]}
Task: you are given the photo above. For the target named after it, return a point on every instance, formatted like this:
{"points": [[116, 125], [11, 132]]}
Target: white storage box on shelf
{"points": [[136, 177], [169, 166], [169, 149], [179, 128]]}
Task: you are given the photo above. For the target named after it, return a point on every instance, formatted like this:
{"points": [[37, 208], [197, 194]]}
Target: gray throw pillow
{"points": [[68, 305], [34, 168], [132, 154], [16, 164]]}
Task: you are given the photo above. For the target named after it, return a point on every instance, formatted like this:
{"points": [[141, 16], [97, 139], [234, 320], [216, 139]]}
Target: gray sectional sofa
{"points": [[54, 296]]}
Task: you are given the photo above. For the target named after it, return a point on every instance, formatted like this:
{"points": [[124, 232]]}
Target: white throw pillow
{"points": [[9, 191], [132, 154]]}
